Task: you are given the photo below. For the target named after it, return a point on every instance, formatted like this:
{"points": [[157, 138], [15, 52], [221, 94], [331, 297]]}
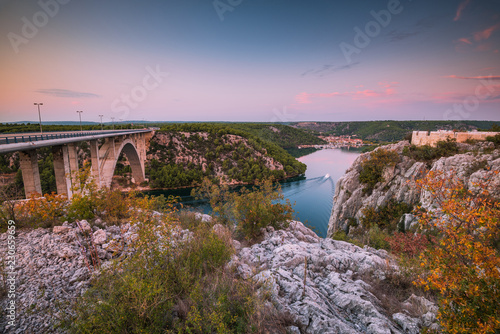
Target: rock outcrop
{"points": [[317, 282], [399, 181]]}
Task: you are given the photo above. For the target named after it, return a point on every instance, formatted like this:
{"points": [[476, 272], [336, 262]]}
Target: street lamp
{"points": [[80, 114], [113, 122], [39, 117], [101, 121]]}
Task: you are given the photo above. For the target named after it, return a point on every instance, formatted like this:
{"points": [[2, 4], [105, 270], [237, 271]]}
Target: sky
{"points": [[249, 60]]}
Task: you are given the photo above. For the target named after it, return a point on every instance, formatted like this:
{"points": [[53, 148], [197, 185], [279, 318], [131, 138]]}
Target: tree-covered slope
{"points": [[389, 131], [282, 135], [182, 154]]}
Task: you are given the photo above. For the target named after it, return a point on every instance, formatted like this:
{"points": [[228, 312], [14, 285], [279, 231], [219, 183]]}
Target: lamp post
{"points": [[80, 114], [101, 121], [113, 122], [39, 117]]}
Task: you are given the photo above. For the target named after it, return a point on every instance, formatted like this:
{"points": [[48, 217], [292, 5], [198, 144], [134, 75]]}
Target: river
{"points": [[312, 194]]}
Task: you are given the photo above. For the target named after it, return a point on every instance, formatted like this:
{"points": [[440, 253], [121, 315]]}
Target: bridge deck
{"points": [[29, 141]]}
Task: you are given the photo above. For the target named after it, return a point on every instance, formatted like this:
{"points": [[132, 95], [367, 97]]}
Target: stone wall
{"points": [[432, 137]]}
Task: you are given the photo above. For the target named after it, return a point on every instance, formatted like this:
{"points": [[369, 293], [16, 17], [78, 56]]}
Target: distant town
{"points": [[337, 141]]}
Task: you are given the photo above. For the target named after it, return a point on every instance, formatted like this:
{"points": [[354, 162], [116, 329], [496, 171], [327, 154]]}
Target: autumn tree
{"points": [[464, 263]]}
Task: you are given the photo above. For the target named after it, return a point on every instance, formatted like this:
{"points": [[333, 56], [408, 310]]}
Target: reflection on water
{"points": [[312, 193]]}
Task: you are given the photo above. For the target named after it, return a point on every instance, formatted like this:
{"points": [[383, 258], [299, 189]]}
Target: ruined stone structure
{"points": [[104, 158], [420, 138]]}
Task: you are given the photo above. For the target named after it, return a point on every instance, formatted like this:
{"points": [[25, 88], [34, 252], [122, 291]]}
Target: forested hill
{"points": [[182, 154], [390, 131], [282, 135]]}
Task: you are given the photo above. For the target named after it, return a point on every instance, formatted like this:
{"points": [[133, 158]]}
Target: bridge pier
{"points": [[96, 162], [65, 168], [28, 162]]}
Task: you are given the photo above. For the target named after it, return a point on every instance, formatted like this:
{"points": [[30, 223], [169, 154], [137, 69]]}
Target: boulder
{"points": [[99, 237]]}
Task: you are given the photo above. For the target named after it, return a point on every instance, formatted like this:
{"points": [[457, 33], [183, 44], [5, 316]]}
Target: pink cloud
{"points": [[460, 9], [303, 98], [389, 86], [366, 94], [479, 77], [465, 40], [486, 33]]}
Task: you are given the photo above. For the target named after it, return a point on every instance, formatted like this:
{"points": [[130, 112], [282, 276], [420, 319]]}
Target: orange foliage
{"points": [[464, 264], [43, 211]]}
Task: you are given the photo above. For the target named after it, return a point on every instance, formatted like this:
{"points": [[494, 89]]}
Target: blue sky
{"points": [[242, 60]]}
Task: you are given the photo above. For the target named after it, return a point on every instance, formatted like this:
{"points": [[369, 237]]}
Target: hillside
{"points": [[285, 136], [389, 131], [182, 154]]}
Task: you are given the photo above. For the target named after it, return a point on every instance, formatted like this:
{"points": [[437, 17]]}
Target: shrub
{"points": [[386, 216], [39, 211], [377, 238], [373, 168], [463, 262], [172, 286], [249, 210], [427, 153], [407, 244], [494, 139]]}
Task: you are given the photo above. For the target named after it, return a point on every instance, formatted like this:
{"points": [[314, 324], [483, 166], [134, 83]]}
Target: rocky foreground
{"points": [[318, 283]]}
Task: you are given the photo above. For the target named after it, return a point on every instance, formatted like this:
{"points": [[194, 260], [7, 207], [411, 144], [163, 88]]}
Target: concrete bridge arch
{"points": [[107, 163], [105, 158]]}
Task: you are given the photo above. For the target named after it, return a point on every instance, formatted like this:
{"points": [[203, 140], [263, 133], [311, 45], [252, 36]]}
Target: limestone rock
{"points": [[332, 300], [99, 237], [61, 229], [84, 226]]}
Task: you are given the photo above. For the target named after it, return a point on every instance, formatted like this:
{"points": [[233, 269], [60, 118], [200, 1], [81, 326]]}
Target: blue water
{"points": [[312, 194]]}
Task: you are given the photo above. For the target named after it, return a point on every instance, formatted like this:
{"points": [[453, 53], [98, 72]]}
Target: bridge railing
{"points": [[26, 138]]}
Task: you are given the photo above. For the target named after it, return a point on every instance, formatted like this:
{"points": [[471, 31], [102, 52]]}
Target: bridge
{"points": [[64, 151]]}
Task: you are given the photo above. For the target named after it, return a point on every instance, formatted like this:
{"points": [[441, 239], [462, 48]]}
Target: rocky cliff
{"points": [[473, 163]]}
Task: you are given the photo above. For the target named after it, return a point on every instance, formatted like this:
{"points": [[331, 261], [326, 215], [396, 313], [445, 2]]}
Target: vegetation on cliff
{"points": [[373, 168], [427, 153], [183, 154]]}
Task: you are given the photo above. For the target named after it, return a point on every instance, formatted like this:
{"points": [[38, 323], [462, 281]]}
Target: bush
{"points": [[377, 238], [386, 216], [38, 211], [464, 260], [408, 245], [373, 168], [494, 139], [249, 210], [427, 153]]}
